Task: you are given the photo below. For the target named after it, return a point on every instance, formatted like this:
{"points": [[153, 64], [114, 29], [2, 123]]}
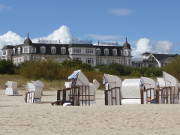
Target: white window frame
{"points": [[98, 51], [77, 50], [4, 52], [63, 50], [53, 50], [114, 52], [89, 51], [106, 51], [43, 49], [25, 50], [90, 60]]}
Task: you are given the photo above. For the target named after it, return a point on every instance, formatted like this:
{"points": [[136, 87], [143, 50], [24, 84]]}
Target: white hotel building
{"points": [[100, 54]]}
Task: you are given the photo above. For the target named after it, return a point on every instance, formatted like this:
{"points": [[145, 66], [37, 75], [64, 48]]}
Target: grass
{"points": [[49, 85], [22, 81]]}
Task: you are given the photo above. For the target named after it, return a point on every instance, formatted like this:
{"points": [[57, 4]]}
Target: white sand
{"points": [[17, 117]]}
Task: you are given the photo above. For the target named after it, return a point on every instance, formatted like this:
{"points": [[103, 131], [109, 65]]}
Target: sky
{"points": [[149, 25]]}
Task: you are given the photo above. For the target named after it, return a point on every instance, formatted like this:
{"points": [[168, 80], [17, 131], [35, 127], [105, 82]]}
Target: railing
{"points": [[166, 95], [147, 93], [113, 96], [162, 95], [79, 95]]}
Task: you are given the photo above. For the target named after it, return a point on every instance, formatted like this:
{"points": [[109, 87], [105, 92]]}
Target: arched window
{"points": [[63, 50], [114, 52], [53, 50], [106, 51], [98, 51], [43, 49]]}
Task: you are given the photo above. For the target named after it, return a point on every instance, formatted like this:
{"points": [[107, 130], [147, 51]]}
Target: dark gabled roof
{"points": [[146, 53], [7, 47], [48, 48], [102, 47], [162, 57]]}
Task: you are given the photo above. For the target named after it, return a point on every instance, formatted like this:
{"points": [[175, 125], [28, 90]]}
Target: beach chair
{"points": [[34, 93], [112, 89], [11, 88], [79, 91], [168, 89], [148, 89]]}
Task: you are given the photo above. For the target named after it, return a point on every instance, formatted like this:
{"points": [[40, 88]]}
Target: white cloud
{"points": [[164, 47], [11, 38], [105, 37], [120, 11], [63, 34], [146, 45], [3, 8]]}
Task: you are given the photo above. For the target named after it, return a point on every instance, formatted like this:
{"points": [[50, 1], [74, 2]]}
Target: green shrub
{"points": [[6, 67], [174, 68]]}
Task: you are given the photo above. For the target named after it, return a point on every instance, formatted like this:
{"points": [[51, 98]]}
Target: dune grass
{"points": [[22, 81]]}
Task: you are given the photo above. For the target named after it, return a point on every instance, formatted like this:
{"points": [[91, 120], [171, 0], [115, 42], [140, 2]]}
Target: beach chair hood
{"points": [[112, 81], [78, 78], [171, 81], [148, 82]]}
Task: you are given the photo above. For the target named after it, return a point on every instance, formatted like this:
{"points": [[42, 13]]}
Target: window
{"points": [[76, 50], [19, 50], [4, 52], [53, 50], [98, 51], [25, 50], [89, 51], [106, 51], [34, 50], [63, 50], [114, 52], [14, 51], [43, 49], [129, 53], [89, 60], [126, 53]]}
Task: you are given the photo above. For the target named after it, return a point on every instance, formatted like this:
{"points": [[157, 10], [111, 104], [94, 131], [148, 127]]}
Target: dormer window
{"points": [[63, 50], [53, 50], [114, 52], [43, 49], [98, 51], [106, 51]]}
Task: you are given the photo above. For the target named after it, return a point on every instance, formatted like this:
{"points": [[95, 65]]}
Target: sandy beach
{"points": [[17, 117]]}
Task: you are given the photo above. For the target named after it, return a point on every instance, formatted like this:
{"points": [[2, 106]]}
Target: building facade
{"points": [[154, 60], [101, 54]]}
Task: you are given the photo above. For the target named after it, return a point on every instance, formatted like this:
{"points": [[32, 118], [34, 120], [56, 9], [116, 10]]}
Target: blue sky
{"points": [[149, 22]]}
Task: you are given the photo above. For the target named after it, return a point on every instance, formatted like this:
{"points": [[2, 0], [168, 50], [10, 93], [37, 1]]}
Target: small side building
{"points": [[154, 60]]}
